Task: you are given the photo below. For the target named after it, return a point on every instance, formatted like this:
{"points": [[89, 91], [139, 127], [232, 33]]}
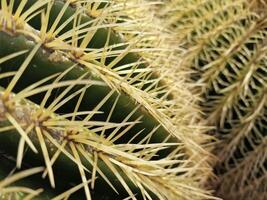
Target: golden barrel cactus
{"points": [[86, 92], [224, 45]]}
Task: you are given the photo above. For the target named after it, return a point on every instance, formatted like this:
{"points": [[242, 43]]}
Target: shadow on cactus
{"points": [[84, 94]]}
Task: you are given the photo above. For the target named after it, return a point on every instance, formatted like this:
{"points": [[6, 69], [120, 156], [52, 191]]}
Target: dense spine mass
{"points": [[225, 45], [86, 91]]}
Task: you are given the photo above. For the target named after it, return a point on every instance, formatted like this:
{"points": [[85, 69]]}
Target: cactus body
{"points": [[85, 94], [225, 45]]}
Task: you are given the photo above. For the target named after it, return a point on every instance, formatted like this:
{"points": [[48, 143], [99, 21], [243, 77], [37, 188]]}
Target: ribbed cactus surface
{"points": [[86, 92], [225, 44]]}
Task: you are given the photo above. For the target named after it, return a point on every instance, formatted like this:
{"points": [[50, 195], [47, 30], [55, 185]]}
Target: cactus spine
{"points": [[85, 94]]}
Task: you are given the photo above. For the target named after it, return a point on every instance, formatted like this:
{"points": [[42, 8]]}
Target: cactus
{"points": [[86, 92], [225, 44]]}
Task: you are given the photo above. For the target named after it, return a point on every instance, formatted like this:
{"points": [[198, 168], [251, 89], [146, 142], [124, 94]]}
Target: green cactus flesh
{"points": [[81, 95]]}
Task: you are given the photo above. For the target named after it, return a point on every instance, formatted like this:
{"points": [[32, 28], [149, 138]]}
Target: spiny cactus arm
{"points": [[60, 19], [153, 105], [65, 48], [109, 160], [18, 116], [137, 84], [110, 77], [100, 90]]}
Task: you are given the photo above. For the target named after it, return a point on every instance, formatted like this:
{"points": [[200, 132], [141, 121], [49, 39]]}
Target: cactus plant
{"points": [[225, 45], [86, 92]]}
